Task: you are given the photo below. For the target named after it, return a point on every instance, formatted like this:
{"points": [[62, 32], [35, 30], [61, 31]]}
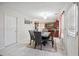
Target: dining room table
{"points": [[45, 34], [45, 37]]}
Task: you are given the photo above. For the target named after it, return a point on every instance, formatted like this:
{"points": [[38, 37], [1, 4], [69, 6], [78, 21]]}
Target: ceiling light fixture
{"points": [[45, 15]]}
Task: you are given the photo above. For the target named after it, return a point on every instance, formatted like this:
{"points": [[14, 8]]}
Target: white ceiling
{"points": [[36, 10]]}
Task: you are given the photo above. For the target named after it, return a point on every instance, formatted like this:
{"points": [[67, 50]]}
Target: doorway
{"points": [[10, 30]]}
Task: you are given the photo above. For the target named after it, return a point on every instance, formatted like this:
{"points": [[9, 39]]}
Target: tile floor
{"points": [[21, 50]]}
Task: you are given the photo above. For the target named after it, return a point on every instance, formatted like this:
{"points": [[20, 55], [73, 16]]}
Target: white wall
{"points": [[22, 29], [23, 34], [20, 25]]}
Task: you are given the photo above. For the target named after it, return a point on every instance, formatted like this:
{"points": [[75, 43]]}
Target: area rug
{"points": [[48, 47]]}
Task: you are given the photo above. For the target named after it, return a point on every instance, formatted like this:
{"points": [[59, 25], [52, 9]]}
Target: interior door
{"points": [[10, 30], [71, 30]]}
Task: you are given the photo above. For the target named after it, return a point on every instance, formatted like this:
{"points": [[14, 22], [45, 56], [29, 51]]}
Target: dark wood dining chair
{"points": [[38, 39], [31, 36]]}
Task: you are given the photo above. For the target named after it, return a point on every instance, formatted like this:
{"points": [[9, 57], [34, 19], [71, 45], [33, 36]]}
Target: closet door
{"points": [[71, 31], [10, 30]]}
